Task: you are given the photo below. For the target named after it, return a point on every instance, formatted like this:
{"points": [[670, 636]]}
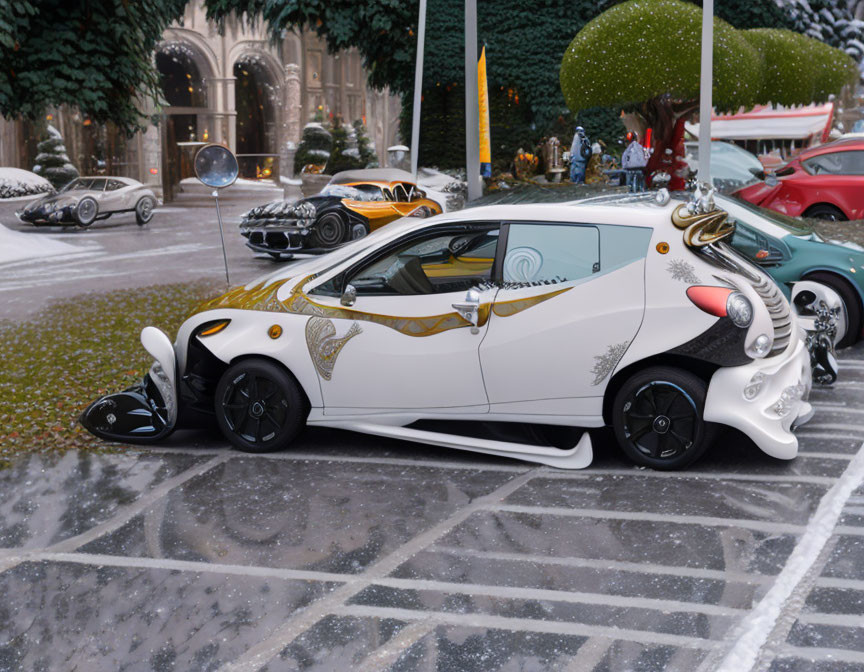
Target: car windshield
{"points": [[789, 224], [77, 185], [354, 192]]}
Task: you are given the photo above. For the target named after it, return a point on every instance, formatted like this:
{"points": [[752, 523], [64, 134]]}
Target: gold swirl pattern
{"points": [[701, 229], [508, 308]]}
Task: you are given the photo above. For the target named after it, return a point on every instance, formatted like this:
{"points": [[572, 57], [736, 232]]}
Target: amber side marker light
{"points": [[275, 331], [662, 248], [212, 328]]}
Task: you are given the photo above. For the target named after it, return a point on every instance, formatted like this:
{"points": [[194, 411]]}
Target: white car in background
{"points": [[522, 322], [86, 199]]}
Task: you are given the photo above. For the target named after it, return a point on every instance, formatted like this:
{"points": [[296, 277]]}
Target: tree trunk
{"points": [[665, 118]]}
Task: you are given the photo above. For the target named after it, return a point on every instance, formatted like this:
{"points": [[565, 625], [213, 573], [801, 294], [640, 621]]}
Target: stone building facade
{"points": [[237, 88]]}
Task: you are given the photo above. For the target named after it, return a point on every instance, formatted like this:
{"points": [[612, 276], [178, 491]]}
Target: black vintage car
{"points": [[352, 204]]}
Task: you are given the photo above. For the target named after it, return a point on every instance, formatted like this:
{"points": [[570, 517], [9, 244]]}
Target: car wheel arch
{"points": [[824, 204], [699, 368], [272, 360]]}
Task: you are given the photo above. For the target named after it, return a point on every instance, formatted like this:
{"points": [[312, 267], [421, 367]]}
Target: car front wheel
{"points": [[86, 211], [826, 212], [259, 406], [851, 304], [657, 418], [329, 231], [144, 210]]}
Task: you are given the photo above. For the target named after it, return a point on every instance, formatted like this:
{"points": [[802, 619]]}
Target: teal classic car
{"points": [[789, 251]]}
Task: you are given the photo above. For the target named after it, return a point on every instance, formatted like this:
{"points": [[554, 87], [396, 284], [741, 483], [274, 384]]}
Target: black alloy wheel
{"points": [[329, 231], [657, 418], [827, 212], [259, 406]]}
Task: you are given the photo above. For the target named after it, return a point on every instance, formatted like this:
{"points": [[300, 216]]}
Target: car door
{"points": [[115, 198], [378, 211], [409, 337], [403, 203], [571, 302]]}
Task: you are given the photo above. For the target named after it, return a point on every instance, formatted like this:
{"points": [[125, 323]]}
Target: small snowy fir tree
{"points": [[342, 156], [52, 162], [830, 21], [314, 147], [365, 148]]}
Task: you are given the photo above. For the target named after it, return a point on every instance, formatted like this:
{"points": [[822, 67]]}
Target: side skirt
{"points": [[578, 457]]}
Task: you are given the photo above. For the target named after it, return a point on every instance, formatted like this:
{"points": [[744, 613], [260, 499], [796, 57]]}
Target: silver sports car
{"points": [[86, 199]]}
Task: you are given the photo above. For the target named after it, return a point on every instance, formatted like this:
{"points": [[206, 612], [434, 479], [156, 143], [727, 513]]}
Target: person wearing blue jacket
{"points": [[580, 153]]}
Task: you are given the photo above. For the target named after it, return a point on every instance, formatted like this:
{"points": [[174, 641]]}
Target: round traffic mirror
{"points": [[216, 166]]}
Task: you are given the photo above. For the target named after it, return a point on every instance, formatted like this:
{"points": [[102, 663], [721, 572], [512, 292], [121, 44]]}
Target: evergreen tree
{"points": [[829, 21], [368, 157], [52, 162], [314, 147], [342, 155]]}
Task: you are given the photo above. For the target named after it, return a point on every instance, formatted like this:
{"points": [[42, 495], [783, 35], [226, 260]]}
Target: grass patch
{"points": [[75, 350]]}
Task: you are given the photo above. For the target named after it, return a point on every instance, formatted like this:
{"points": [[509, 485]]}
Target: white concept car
{"points": [[86, 199], [497, 330]]}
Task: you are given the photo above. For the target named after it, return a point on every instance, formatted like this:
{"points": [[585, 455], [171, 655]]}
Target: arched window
{"points": [[182, 84], [255, 96]]}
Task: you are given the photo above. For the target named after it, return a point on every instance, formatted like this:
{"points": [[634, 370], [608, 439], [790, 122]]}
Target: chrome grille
{"points": [[778, 308]]}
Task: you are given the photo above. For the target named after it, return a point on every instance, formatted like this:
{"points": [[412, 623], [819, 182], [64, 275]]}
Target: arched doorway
{"points": [[256, 100], [187, 116]]}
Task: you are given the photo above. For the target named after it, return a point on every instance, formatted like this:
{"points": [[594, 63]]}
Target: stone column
{"points": [[220, 98], [292, 109]]}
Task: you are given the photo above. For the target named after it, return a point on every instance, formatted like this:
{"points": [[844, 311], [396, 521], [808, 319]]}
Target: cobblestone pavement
{"points": [[357, 553]]}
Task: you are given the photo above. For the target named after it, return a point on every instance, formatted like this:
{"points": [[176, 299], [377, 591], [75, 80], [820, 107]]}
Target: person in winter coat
{"points": [[580, 152], [633, 161]]}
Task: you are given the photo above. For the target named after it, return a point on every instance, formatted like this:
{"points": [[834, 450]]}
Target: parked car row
{"points": [[546, 320]]}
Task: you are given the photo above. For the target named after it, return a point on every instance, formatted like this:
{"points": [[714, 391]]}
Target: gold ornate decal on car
{"points": [[324, 346], [702, 228], [300, 303], [258, 298], [508, 308]]}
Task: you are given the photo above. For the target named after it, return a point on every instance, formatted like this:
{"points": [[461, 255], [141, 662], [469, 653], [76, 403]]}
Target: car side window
{"points": [[114, 185], [400, 193], [437, 263], [550, 253], [837, 163], [97, 185]]}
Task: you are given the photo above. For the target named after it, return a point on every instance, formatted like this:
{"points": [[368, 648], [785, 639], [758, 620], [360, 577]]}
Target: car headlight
{"points": [[754, 387], [761, 345], [739, 309]]}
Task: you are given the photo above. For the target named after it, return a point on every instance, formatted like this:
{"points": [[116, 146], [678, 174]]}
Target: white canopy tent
{"points": [[772, 123]]}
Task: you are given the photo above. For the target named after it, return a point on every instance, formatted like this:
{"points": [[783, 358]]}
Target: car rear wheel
{"points": [[85, 213], [259, 406], [657, 418], [851, 304], [826, 211], [144, 210], [329, 231]]}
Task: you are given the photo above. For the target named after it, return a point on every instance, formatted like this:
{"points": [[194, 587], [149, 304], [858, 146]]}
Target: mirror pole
{"points": [[221, 235]]}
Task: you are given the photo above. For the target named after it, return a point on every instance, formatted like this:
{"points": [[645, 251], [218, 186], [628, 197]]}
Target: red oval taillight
{"points": [[710, 299]]}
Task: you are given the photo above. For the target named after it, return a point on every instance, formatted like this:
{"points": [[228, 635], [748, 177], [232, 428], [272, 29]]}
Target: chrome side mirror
{"points": [[771, 180], [470, 310], [349, 295]]}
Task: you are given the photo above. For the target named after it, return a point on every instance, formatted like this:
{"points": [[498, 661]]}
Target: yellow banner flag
{"points": [[483, 100]]}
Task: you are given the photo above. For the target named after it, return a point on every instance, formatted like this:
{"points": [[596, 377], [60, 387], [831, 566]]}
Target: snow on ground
{"points": [[16, 184], [15, 246]]}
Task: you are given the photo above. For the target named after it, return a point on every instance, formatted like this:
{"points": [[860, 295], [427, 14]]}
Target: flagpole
{"points": [[472, 112], [706, 84], [418, 88]]}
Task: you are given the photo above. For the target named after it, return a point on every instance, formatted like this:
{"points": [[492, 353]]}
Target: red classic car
{"points": [[826, 182]]}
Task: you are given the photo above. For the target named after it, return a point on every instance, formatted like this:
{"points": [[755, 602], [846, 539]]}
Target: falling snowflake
{"points": [[606, 363], [684, 271]]}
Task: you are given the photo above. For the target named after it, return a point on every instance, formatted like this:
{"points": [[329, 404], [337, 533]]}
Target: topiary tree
{"points": [[314, 147], [644, 56], [52, 162]]}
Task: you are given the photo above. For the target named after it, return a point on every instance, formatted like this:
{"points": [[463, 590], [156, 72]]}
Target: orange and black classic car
{"points": [[352, 204]]}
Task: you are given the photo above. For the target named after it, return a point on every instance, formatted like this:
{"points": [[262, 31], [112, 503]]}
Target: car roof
{"points": [[841, 145], [125, 180], [642, 211], [387, 175]]}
